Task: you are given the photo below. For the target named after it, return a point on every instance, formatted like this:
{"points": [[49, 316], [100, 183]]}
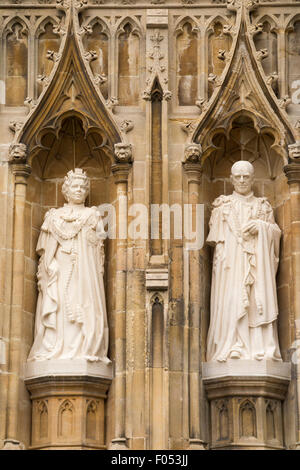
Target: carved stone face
{"points": [[17, 152], [123, 152], [192, 153], [77, 191], [242, 176]]}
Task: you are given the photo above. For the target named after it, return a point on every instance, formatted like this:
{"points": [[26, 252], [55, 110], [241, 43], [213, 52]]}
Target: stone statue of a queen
{"points": [[71, 320], [244, 306]]}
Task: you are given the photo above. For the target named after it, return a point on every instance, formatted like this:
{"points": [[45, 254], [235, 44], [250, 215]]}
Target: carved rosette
{"points": [[123, 153]]}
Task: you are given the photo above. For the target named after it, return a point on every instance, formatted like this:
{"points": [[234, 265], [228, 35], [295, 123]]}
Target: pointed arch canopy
{"points": [[70, 91], [243, 90]]}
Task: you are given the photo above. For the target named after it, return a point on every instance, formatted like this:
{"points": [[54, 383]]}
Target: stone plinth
{"points": [[68, 403], [246, 400]]}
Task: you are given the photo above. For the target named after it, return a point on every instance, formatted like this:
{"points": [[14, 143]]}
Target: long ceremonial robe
{"points": [[71, 320], [243, 294]]}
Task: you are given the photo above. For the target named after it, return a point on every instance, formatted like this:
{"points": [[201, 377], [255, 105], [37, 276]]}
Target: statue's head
{"points": [[242, 176], [76, 186]]}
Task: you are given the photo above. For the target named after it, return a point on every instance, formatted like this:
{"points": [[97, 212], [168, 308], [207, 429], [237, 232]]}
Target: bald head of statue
{"points": [[242, 177]]}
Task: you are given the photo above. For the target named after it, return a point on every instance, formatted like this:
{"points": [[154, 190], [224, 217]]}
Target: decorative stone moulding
{"points": [[68, 408], [157, 279], [246, 399]]}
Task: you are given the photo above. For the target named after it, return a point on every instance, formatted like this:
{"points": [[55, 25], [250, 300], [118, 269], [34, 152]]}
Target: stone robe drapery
{"points": [[71, 320], [243, 294]]}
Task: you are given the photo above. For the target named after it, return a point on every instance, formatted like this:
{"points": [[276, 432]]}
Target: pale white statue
{"points": [[244, 305], [71, 320]]}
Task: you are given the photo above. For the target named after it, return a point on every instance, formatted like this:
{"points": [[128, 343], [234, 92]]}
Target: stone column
{"points": [[21, 171], [121, 172], [292, 172], [193, 173]]}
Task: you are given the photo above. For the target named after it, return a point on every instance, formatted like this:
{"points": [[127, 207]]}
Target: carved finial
{"points": [[81, 4], [201, 103], [167, 95], [193, 153], [146, 94], [112, 102], [30, 103], [294, 151], [60, 28], [256, 28], [123, 153], [100, 79], [85, 29], [262, 54], [53, 56], [126, 126], [17, 153], [90, 56], [15, 127], [214, 79], [272, 79], [63, 4], [188, 127], [284, 102], [221, 54], [43, 80]]}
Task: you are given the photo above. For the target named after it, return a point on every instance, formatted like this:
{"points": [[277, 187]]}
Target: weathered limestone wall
{"points": [[158, 79]]}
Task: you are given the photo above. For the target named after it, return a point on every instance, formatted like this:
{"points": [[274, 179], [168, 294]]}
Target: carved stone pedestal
{"points": [[68, 403], [246, 400]]}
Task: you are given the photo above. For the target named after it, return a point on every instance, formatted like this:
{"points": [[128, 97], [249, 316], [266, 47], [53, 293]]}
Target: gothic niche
{"points": [[16, 65], [129, 64], [267, 39], [187, 65], [61, 150], [293, 65], [48, 42], [271, 423], [97, 41], [91, 420], [223, 421], [242, 140], [66, 420], [218, 45], [247, 420]]}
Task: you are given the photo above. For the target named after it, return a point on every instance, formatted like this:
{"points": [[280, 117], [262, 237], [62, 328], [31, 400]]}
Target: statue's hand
{"points": [[251, 228]]}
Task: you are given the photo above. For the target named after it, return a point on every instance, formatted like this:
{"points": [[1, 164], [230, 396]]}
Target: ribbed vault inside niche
{"points": [[71, 147], [243, 141]]}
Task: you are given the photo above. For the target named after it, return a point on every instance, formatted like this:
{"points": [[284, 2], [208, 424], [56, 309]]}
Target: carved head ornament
{"points": [[123, 153], [193, 153], [18, 153]]}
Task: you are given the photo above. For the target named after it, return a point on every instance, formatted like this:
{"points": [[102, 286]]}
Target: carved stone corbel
{"points": [[193, 153], [123, 153], [294, 151], [17, 153]]}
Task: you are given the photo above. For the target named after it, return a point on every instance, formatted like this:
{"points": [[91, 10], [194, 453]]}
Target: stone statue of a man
{"points": [[243, 296], [71, 319]]}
